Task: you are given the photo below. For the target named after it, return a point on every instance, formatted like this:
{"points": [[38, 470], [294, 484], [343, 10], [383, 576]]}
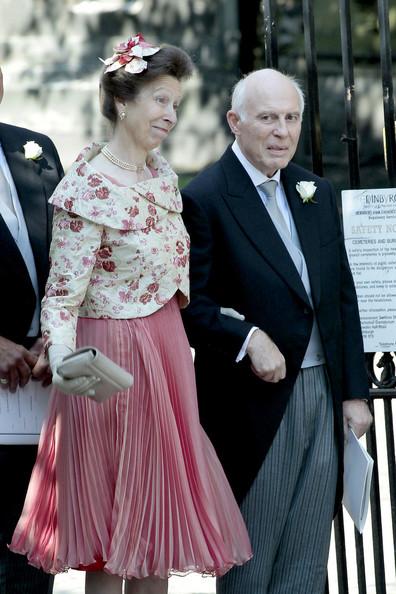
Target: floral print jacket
{"points": [[117, 252]]}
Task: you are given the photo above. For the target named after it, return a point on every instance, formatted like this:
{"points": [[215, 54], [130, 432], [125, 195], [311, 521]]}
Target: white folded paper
{"points": [[22, 413], [358, 470]]}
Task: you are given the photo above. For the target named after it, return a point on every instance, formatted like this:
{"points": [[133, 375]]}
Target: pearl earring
{"points": [[122, 115]]}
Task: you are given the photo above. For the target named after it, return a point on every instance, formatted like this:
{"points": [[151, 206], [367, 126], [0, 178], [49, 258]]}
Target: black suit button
{"points": [[306, 311]]}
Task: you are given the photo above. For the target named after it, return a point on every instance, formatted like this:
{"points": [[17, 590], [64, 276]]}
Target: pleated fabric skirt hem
{"points": [[102, 566]]}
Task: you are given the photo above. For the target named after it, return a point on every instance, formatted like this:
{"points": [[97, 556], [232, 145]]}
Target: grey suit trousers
{"points": [[289, 508]]}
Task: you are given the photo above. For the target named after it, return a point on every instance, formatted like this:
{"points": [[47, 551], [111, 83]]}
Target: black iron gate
{"points": [[381, 370]]}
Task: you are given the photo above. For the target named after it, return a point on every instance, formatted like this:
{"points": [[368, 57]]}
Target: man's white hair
{"points": [[239, 91]]}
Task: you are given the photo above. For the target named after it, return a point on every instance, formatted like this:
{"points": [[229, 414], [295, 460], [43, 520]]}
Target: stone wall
{"points": [[49, 53]]}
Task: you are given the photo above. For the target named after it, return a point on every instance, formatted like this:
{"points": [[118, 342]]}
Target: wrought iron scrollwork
{"points": [[387, 377]]}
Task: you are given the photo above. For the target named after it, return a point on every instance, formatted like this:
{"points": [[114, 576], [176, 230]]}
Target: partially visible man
{"points": [[25, 228], [267, 248]]}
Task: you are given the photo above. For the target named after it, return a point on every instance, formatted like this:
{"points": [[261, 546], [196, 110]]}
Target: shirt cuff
{"points": [[242, 352]]}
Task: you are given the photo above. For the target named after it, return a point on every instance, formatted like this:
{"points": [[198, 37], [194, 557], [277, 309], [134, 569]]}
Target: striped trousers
{"points": [[289, 508]]}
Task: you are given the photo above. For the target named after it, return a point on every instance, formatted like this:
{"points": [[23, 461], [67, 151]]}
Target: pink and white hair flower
{"points": [[130, 54]]}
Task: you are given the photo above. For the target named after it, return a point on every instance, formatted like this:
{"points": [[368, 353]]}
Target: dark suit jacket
{"points": [[35, 182], [238, 260]]}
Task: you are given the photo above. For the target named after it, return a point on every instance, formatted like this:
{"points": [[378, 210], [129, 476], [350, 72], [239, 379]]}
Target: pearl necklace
{"points": [[123, 164]]}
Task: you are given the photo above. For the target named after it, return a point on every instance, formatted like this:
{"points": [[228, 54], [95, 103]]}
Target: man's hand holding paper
{"points": [[357, 416], [16, 364]]}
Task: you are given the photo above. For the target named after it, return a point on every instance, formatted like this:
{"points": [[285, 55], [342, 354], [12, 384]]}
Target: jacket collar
{"points": [[243, 200], [306, 220], [163, 189], [32, 195]]}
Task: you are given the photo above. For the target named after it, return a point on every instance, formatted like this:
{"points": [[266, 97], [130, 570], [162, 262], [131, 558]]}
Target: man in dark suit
{"points": [[26, 182], [275, 325]]}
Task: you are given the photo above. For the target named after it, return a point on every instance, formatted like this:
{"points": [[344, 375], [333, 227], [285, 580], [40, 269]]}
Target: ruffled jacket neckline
{"points": [[86, 192]]}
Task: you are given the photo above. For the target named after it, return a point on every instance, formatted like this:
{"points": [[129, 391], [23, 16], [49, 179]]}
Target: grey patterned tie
{"points": [[5, 191], [269, 189]]}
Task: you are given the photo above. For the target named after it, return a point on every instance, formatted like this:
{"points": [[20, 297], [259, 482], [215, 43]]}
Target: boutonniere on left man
{"points": [[32, 150], [307, 190]]}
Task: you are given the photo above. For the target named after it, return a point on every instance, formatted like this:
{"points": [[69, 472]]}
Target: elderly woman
{"points": [[130, 488]]}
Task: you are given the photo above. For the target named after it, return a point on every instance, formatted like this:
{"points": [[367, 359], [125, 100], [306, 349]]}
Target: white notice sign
{"points": [[22, 413], [370, 238]]}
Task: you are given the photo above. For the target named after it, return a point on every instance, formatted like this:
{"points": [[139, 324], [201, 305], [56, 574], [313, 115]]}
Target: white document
{"points": [[358, 470], [369, 219], [22, 413]]}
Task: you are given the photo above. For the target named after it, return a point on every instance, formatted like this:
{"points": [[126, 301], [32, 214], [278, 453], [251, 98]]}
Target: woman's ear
{"points": [[119, 105], [120, 101]]}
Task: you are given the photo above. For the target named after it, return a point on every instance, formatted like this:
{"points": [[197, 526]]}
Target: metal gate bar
{"points": [[270, 36], [387, 88], [342, 570], [390, 450], [350, 137], [312, 87], [376, 521]]}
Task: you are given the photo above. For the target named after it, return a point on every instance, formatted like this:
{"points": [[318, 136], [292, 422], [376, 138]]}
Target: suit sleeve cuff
{"points": [[242, 352]]}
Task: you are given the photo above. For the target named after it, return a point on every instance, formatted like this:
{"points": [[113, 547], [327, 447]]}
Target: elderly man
{"points": [[26, 182], [275, 324]]}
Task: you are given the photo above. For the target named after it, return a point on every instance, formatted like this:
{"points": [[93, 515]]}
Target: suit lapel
{"points": [[244, 202], [306, 222], [32, 197], [9, 249]]}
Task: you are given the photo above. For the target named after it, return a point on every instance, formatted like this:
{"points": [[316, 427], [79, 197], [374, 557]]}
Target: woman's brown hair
{"points": [[119, 84]]}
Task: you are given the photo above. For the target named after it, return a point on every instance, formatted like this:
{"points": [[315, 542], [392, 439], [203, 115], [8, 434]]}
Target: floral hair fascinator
{"points": [[130, 54]]}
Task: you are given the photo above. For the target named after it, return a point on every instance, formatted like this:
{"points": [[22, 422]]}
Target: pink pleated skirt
{"points": [[133, 485]]}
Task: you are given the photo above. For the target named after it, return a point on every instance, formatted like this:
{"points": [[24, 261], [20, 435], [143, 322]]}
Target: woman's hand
{"points": [[82, 386]]}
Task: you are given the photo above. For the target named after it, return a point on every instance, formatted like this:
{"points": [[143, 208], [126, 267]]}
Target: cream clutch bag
{"points": [[90, 361]]}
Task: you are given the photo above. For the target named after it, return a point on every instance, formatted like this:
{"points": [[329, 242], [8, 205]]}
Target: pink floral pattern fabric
{"points": [[117, 252]]}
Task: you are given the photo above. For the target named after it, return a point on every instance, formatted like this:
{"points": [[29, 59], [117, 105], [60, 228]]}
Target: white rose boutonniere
{"points": [[306, 189], [32, 150]]}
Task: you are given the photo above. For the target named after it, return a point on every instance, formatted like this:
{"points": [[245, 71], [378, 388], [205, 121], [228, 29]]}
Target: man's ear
{"points": [[233, 120]]}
